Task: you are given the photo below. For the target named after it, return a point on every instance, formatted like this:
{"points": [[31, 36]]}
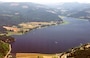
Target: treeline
{"points": [[7, 39], [13, 15], [80, 52]]}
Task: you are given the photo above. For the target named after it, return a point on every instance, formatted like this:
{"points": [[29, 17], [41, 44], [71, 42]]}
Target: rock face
{"points": [[83, 51]]}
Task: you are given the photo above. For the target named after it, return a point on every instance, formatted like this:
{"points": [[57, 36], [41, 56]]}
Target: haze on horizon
{"points": [[47, 1]]}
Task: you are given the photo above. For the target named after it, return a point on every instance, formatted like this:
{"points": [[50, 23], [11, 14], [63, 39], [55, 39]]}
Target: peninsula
{"points": [[28, 26]]}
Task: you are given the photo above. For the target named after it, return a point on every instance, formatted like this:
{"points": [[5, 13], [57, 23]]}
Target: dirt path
{"points": [[8, 51]]}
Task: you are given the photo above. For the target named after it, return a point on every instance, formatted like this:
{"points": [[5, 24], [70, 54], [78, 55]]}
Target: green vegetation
{"points": [[7, 39], [65, 22], [13, 33], [81, 54], [15, 15], [4, 48], [22, 28]]}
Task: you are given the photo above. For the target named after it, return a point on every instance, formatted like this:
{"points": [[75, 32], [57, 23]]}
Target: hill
{"points": [[12, 13], [73, 9]]}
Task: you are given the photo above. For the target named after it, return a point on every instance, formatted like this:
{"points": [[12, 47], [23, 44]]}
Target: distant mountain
{"points": [[77, 10], [83, 14], [18, 12], [73, 9], [12, 13]]}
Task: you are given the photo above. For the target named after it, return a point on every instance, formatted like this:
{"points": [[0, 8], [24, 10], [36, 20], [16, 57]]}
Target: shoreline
{"points": [[82, 47], [9, 33]]}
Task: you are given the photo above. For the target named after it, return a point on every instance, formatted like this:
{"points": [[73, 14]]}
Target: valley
{"points": [[31, 30]]}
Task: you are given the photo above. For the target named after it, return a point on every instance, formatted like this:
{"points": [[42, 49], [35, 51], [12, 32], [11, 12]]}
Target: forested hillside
{"points": [[14, 13]]}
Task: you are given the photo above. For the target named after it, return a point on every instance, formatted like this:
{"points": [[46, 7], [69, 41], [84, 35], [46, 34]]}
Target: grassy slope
{"points": [[4, 48]]}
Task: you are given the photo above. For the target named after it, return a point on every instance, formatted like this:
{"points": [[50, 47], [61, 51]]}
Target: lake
{"points": [[53, 39]]}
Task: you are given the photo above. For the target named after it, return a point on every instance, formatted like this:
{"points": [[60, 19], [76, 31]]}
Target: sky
{"points": [[47, 1]]}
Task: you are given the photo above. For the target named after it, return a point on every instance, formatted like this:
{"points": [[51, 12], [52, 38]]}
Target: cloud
{"points": [[46, 1]]}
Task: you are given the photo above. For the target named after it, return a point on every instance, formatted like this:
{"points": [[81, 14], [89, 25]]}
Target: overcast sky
{"points": [[47, 1]]}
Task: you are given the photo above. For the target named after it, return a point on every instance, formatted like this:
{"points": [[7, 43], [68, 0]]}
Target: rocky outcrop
{"points": [[83, 51]]}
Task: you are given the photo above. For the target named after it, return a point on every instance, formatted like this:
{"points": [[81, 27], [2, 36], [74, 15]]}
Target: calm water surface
{"points": [[54, 39]]}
